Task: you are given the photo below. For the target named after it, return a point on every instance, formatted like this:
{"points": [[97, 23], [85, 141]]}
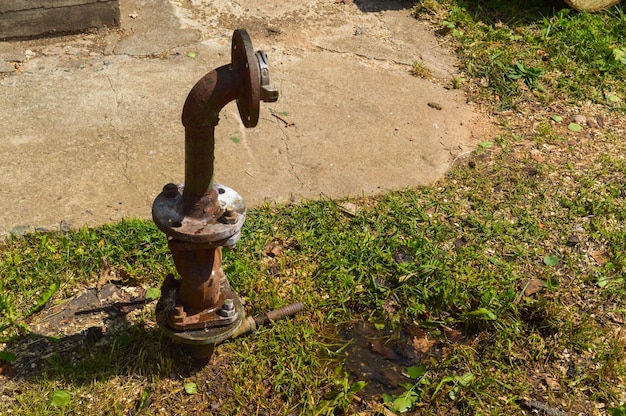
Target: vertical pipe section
{"points": [[200, 116]]}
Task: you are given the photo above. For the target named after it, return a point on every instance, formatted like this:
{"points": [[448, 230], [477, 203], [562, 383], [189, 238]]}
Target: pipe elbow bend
{"points": [[210, 94]]}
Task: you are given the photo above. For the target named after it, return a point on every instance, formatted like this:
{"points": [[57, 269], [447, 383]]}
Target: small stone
{"points": [[401, 257], [64, 226], [573, 239], [571, 371], [591, 5], [20, 230], [580, 119], [434, 105], [348, 208]]}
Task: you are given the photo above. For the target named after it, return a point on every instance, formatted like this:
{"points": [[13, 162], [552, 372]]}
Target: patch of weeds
{"points": [[420, 70], [38, 266], [529, 75], [340, 398], [458, 82], [408, 399]]}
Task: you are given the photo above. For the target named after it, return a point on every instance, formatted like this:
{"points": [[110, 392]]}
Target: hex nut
{"points": [[170, 190]]}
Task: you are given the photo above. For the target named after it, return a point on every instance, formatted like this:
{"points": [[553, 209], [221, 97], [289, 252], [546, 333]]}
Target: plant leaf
{"points": [[620, 55], [466, 379], [405, 401], [416, 371], [551, 260], [618, 411], [574, 127], [613, 98], [7, 356], [603, 281], [442, 382], [191, 388], [152, 293], [356, 387], [44, 298], [556, 118], [482, 313], [61, 398]]}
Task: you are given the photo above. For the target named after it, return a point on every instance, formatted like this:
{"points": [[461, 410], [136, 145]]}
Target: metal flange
{"points": [[222, 230], [245, 62], [205, 335]]}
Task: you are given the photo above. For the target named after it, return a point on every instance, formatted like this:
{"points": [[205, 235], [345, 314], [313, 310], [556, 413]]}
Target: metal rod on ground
{"points": [[250, 324]]}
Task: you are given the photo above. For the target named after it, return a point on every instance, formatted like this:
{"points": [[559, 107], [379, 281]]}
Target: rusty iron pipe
{"points": [[209, 95], [202, 271], [200, 116], [200, 217]]}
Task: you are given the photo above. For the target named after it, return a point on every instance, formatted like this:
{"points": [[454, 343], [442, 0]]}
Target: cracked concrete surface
{"points": [[91, 127]]}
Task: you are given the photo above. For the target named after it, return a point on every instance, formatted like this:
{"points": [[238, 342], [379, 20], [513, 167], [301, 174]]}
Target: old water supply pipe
{"points": [[200, 217]]}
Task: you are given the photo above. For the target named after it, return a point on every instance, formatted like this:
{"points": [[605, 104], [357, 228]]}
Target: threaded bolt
{"points": [[228, 305], [230, 215], [279, 313], [228, 309]]}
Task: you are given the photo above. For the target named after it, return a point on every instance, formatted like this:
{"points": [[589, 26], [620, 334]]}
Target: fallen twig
{"points": [[287, 123]]}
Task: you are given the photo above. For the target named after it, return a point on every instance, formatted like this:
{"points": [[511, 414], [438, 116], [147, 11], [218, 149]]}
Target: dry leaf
{"points": [[348, 208], [601, 256], [453, 335], [106, 273], [552, 383], [423, 344], [273, 249], [6, 370], [534, 286]]}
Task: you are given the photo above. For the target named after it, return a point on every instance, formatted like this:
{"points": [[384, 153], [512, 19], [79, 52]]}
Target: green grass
{"points": [[536, 50], [443, 270]]}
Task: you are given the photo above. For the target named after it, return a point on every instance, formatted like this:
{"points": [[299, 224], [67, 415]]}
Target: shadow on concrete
{"points": [[371, 6]]}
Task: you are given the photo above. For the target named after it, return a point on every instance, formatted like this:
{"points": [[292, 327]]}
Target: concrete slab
{"points": [[91, 127]]}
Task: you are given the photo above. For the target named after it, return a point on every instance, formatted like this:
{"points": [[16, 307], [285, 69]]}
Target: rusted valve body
{"points": [[200, 217]]}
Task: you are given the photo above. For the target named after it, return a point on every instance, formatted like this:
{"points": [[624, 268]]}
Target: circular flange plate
{"points": [[244, 61], [167, 215]]}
